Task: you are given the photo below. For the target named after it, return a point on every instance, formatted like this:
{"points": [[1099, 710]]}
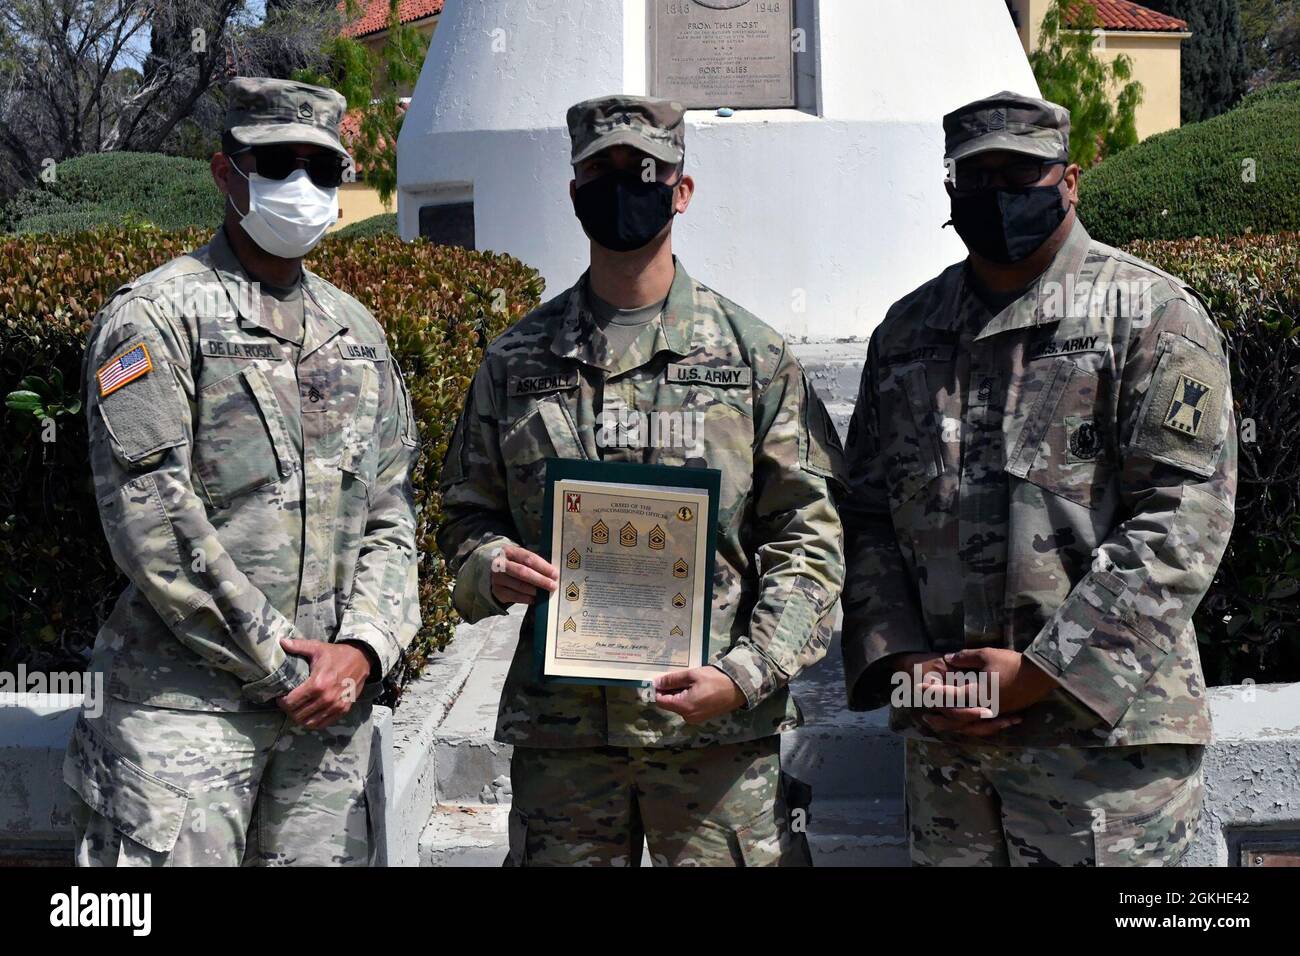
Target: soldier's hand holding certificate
{"points": [[634, 545]]}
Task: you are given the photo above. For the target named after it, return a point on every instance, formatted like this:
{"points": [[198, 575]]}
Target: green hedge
{"points": [[1249, 623], [1190, 181], [384, 224], [57, 580], [114, 189]]}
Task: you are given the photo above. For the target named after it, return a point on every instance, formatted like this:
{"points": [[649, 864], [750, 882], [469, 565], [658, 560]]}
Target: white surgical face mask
{"points": [[287, 217]]}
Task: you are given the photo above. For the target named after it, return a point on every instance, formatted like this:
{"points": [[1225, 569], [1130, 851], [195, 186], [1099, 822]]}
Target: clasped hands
{"points": [[1014, 681]]}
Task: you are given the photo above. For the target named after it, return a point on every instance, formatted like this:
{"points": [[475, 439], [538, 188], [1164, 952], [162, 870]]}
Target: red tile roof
{"points": [[374, 15], [1124, 15]]}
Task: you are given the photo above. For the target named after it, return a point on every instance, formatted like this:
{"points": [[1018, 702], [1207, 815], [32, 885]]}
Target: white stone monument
{"points": [[816, 218]]}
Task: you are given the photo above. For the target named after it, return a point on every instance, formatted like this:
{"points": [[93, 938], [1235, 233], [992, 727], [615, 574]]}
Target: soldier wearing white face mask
{"points": [[251, 441]]}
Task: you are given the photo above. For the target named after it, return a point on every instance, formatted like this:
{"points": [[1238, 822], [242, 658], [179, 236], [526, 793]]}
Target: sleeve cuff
{"points": [[1094, 647], [279, 682], [756, 676], [369, 635], [472, 596]]}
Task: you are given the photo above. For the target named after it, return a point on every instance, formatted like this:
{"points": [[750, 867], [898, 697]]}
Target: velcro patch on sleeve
{"points": [[709, 375], [1182, 420], [130, 365]]}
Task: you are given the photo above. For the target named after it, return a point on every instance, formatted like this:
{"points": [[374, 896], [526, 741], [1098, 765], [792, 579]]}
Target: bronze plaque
{"points": [[711, 53], [1264, 853]]}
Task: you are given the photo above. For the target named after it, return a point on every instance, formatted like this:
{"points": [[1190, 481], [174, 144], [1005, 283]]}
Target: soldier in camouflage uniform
{"points": [[1042, 465], [694, 766], [251, 440]]}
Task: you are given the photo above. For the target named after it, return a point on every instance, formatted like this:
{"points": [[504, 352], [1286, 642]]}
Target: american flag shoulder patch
{"points": [[127, 367]]}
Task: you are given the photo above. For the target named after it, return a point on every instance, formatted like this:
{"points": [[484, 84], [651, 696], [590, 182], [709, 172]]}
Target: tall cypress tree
{"points": [[1215, 68]]}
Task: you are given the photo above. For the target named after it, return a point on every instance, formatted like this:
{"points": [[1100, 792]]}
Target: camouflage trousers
{"points": [[980, 805], [720, 805], [161, 787]]}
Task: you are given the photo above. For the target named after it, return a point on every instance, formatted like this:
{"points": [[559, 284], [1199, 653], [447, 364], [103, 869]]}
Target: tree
{"points": [[1272, 31], [1102, 97], [87, 76], [1215, 70], [374, 85]]}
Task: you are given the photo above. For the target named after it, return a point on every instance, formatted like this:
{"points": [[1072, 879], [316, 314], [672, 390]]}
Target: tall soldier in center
{"points": [[697, 773]]}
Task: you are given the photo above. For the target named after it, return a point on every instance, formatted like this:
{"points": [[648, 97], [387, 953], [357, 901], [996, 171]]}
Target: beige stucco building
{"points": [[1151, 40]]}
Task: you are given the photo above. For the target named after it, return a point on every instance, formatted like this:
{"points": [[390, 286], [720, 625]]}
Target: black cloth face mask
{"points": [[621, 211], [1007, 225]]}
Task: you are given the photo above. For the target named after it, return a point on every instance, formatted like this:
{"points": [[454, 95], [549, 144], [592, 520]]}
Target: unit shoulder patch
{"points": [[1186, 412]]}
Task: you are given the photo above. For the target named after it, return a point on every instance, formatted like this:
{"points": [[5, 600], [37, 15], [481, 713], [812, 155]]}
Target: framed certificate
{"points": [[635, 548]]}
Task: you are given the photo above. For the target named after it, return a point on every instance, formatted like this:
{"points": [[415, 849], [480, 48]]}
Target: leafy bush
{"points": [[111, 189], [1249, 623], [440, 305], [1228, 176], [384, 224]]}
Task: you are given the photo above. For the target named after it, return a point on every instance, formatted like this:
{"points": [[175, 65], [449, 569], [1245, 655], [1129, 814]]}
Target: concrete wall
{"points": [[816, 219]]}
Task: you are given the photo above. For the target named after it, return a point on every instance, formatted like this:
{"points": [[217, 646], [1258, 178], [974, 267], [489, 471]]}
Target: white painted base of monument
{"points": [[815, 218]]}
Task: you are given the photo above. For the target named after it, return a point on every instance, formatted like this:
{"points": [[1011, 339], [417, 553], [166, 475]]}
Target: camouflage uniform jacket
{"points": [[1057, 479], [251, 487], [540, 392]]}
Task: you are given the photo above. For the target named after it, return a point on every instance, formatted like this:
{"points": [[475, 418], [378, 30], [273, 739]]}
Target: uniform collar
{"points": [[234, 277], [960, 306], [1028, 310], [577, 336]]}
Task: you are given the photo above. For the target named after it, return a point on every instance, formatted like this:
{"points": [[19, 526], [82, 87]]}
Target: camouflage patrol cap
{"points": [[655, 127], [261, 111], [1011, 122]]}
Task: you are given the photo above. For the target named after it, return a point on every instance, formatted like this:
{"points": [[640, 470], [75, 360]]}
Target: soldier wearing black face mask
{"points": [[1042, 466], [640, 363]]}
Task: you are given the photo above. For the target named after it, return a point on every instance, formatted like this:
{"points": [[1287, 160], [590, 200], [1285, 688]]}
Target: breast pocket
{"points": [[541, 429], [360, 457], [710, 428], [240, 442], [1067, 444], [911, 432]]}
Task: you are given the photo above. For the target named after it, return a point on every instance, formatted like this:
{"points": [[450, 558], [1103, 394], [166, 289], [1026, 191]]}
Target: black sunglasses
{"points": [[279, 162], [1017, 175]]}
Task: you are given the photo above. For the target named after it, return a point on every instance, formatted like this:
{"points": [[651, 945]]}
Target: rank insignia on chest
{"points": [[1187, 409], [134, 363]]}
